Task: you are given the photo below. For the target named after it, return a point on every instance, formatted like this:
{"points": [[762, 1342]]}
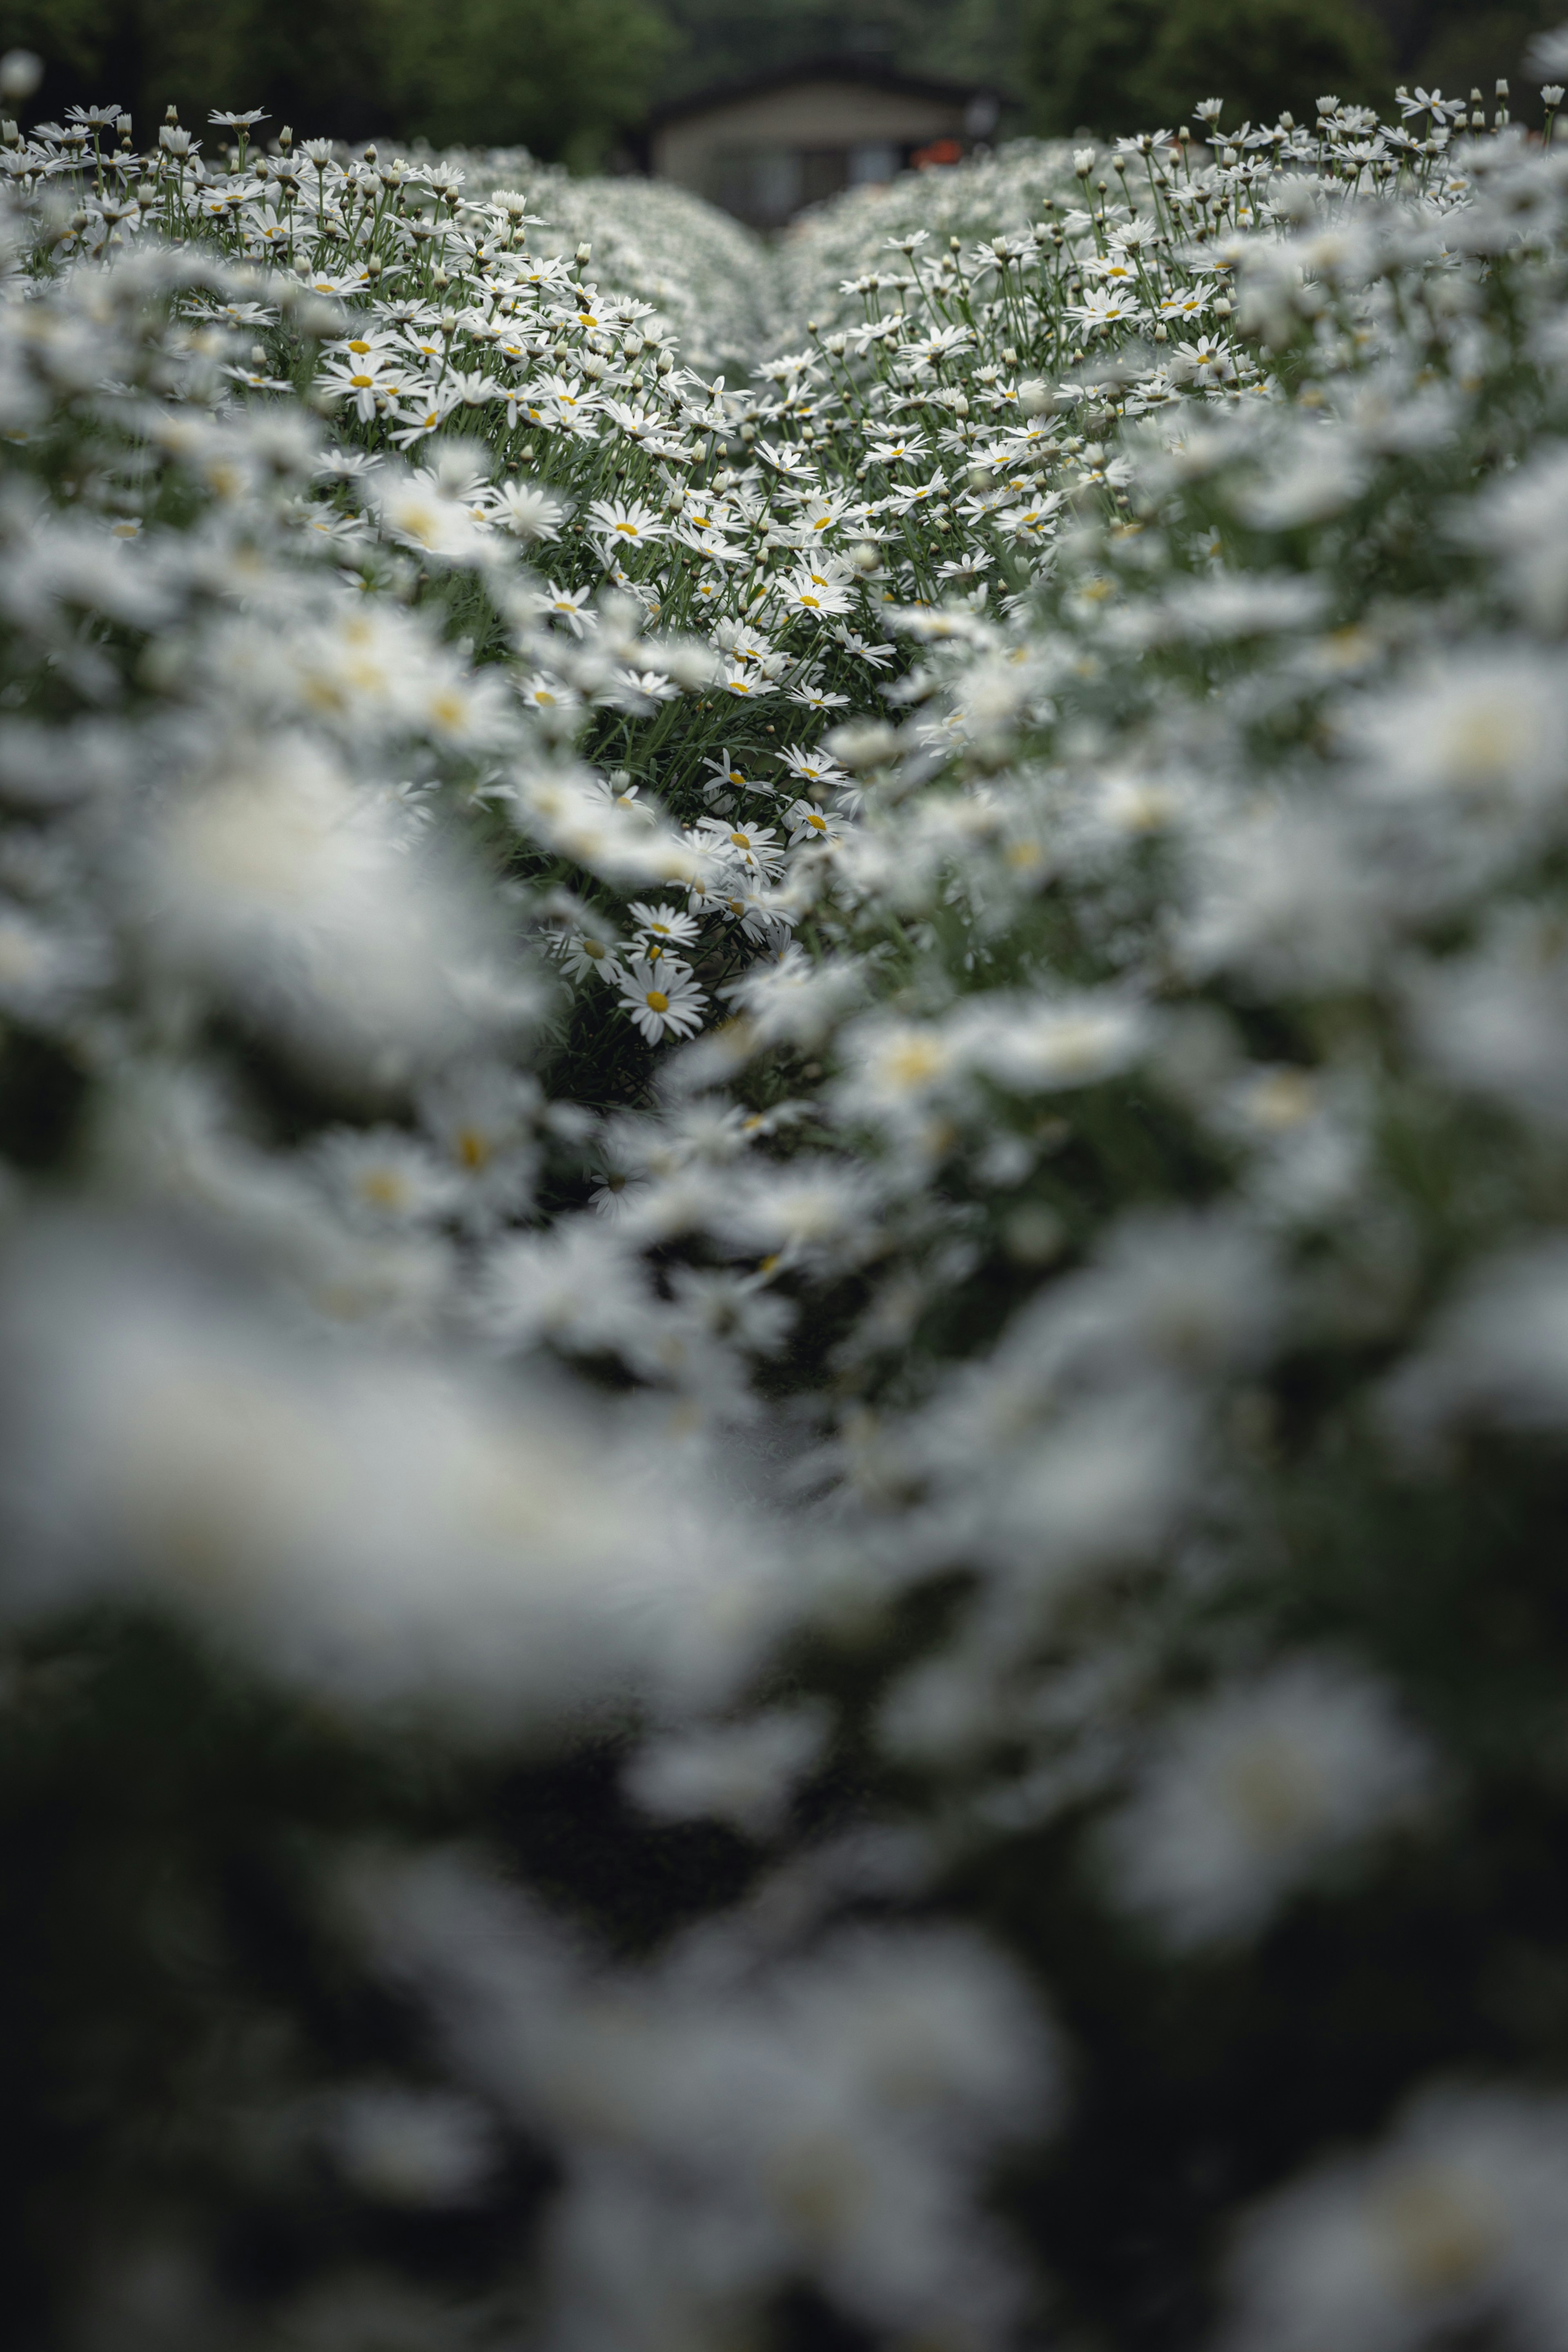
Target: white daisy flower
{"points": [[663, 999], [667, 924]]}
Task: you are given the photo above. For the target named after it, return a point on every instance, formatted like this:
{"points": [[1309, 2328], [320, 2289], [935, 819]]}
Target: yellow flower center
{"points": [[384, 1187], [913, 1060], [657, 1001]]}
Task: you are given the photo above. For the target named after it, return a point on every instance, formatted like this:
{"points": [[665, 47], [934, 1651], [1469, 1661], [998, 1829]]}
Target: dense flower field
{"points": [[784, 1302]]}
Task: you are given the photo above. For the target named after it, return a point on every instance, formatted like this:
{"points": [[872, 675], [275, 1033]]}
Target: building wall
{"points": [[801, 117]]}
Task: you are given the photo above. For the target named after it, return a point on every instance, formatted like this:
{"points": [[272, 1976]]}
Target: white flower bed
{"points": [[856, 1072]]}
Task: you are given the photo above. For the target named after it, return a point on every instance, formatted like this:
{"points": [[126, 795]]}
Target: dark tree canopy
{"points": [[569, 80], [1114, 66], [562, 80]]}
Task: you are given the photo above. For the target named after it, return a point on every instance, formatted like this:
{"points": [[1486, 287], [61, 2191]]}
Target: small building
{"points": [[764, 148]]}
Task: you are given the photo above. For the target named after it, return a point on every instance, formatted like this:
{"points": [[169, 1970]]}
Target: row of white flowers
{"points": [[659, 1007]]}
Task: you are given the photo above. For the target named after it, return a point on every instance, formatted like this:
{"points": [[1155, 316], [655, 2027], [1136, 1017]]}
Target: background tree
{"points": [[1454, 46], [561, 81], [1261, 55], [1083, 59], [1114, 66], [969, 40], [567, 79]]}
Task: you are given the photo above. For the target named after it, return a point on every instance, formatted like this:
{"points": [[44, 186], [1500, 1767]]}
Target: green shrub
{"points": [[1130, 64]]}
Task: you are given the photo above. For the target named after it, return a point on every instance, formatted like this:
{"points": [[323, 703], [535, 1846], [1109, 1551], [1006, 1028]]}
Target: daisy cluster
{"points": [[650, 239], [783, 1070]]}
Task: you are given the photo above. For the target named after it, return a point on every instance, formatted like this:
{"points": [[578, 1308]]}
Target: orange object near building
{"points": [[939, 151]]}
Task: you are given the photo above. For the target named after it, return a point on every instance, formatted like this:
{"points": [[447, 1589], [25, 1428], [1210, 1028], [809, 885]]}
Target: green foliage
{"points": [[968, 40], [1463, 46], [561, 81], [1261, 55], [1082, 59], [73, 34], [1118, 65], [282, 54]]}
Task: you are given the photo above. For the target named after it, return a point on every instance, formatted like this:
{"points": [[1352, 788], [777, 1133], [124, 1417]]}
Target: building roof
{"points": [[868, 72]]}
